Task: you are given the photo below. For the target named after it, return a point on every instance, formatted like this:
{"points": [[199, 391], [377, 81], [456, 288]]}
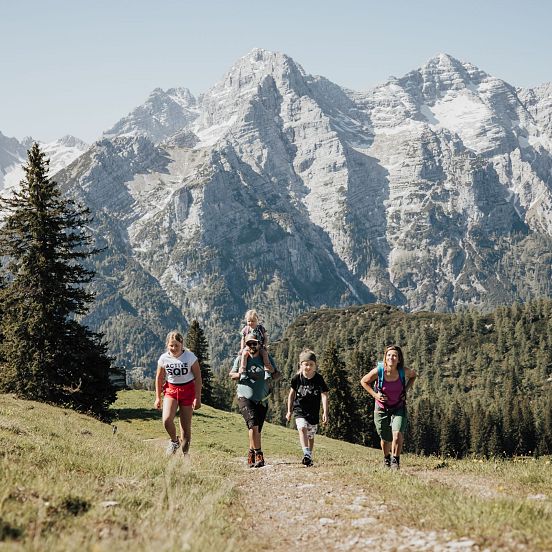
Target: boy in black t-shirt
{"points": [[308, 390]]}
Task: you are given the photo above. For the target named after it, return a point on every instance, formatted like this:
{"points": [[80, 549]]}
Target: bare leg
{"points": [[303, 439], [386, 447], [186, 427], [255, 438], [264, 356], [396, 447], [244, 356], [311, 444], [169, 411]]}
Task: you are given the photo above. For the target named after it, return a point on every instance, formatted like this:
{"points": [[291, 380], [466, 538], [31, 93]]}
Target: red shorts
{"points": [[184, 394]]}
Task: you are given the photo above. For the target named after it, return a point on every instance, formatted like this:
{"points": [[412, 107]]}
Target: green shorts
{"points": [[388, 423]]}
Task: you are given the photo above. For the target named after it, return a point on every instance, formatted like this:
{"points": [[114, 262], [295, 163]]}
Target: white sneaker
{"points": [[172, 447]]}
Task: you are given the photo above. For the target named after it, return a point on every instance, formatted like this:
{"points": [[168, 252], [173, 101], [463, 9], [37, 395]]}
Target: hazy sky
{"points": [[77, 66]]}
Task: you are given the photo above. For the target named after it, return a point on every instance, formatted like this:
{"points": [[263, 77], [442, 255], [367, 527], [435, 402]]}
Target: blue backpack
{"points": [[379, 382]]}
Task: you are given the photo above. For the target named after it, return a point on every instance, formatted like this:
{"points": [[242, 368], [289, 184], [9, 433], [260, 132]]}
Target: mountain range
{"points": [[283, 191]]}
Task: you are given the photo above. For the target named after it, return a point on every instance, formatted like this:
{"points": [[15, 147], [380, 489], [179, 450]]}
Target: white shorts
{"points": [[311, 429]]}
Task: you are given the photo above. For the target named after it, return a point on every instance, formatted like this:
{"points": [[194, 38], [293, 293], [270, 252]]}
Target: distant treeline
{"points": [[484, 380]]}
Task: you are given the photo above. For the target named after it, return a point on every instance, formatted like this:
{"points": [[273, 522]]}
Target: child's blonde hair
{"points": [[251, 313], [177, 336]]}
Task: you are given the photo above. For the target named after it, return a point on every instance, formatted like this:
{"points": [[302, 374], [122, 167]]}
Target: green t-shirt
{"points": [[254, 384]]}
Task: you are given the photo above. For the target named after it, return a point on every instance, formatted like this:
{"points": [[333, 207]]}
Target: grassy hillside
{"points": [[69, 483]]}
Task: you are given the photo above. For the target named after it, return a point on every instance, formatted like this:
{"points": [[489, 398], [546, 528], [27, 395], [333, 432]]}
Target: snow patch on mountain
{"points": [[163, 114], [465, 114], [61, 152]]}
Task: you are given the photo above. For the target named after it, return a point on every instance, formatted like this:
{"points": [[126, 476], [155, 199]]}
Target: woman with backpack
{"points": [[392, 381]]}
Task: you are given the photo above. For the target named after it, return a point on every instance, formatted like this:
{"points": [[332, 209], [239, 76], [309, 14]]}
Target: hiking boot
{"points": [[307, 461], [259, 460], [387, 462], [251, 458], [395, 463], [172, 447]]}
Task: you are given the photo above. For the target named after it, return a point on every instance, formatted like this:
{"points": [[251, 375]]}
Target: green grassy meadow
{"points": [[69, 483]]}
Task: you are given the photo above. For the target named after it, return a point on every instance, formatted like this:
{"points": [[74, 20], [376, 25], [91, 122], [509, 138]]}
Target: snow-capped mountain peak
{"points": [[13, 155], [180, 96], [259, 77], [72, 142], [63, 152], [163, 114], [250, 70]]}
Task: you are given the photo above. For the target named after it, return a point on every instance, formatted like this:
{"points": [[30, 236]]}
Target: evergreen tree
{"points": [[448, 442], [543, 359], [359, 365], [544, 428], [278, 405], [478, 429], [45, 353], [525, 438], [197, 343], [341, 404], [510, 411], [431, 436], [495, 443], [224, 391]]}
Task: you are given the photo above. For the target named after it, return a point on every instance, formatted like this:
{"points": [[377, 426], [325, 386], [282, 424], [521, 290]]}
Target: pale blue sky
{"points": [[76, 67]]}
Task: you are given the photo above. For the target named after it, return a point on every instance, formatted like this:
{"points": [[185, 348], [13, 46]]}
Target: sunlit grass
{"points": [[68, 482]]}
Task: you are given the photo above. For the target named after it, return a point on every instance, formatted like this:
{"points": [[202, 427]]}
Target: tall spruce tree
{"points": [[360, 364], [197, 343], [341, 424], [45, 353], [223, 391]]}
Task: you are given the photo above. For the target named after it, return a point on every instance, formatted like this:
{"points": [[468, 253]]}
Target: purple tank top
{"points": [[393, 391]]}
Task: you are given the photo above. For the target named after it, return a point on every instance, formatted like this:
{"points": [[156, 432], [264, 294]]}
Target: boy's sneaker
{"points": [[259, 460], [251, 458], [307, 460], [395, 463], [172, 447], [387, 462]]}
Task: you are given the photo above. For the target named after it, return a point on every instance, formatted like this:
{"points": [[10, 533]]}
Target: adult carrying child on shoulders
{"points": [[253, 390]]}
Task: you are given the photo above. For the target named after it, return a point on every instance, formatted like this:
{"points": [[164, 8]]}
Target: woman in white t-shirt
{"points": [[179, 379]]}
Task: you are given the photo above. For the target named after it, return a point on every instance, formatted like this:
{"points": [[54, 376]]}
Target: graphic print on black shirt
{"points": [[307, 396]]}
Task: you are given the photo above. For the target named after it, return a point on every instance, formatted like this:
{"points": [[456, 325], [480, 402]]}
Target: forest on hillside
{"points": [[484, 382]]}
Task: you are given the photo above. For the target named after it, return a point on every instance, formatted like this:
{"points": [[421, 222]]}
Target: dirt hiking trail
{"points": [[291, 507]]}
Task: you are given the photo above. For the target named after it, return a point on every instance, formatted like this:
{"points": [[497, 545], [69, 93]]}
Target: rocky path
{"points": [[295, 508]]}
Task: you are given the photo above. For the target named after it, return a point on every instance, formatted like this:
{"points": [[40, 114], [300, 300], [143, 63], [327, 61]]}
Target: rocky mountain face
{"points": [[282, 191], [13, 154], [162, 115]]}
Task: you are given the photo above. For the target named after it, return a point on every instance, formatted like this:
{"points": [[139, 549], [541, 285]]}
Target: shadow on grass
{"points": [[122, 414], [136, 414], [203, 414]]}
